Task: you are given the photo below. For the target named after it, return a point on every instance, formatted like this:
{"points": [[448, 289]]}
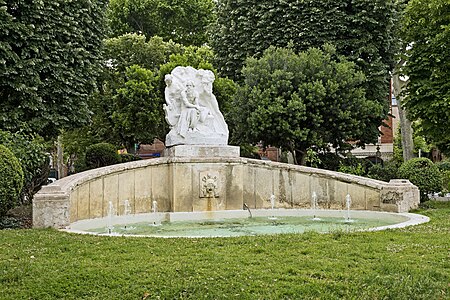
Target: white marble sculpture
{"points": [[192, 110]]}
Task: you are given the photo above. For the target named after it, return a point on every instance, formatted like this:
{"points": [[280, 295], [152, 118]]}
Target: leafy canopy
{"points": [[49, 55], [427, 31], [362, 30], [297, 101], [183, 21]]}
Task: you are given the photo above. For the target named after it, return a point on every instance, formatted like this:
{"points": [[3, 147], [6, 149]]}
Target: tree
{"points": [[12, 180], [184, 21], [362, 30], [398, 85], [137, 108], [298, 101], [128, 59], [32, 156], [49, 60], [427, 31], [134, 49]]}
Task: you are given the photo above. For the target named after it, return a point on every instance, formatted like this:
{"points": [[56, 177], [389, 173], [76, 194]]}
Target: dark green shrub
{"points": [[384, 172], [34, 160], [126, 157], [330, 161], [11, 182], [444, 165], [423, 173], [100, 155], [354, 165]]}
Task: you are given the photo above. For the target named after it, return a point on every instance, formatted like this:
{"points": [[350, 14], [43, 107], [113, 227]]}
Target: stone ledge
{"points": [[202, 151]]}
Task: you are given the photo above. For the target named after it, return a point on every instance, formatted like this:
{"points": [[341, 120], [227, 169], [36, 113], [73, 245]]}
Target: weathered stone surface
{"points": [[96, 198], [175, 183], [126, 191], [142, 191], [202, 151]]}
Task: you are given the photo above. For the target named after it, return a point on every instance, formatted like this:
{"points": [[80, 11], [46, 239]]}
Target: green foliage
{"points": [[127, 157], [355, 170], [250, 151], [409, 263], [49, 59], [134, 49], [362, 30], [385, 172], [427, 31], [33, 159], [137, 108], [127, 85], [354, 165], [12, 180], [101, 155], [312, 159], [184, 21], [330, 161], [423, 173], [296, 101], [444, 167]]}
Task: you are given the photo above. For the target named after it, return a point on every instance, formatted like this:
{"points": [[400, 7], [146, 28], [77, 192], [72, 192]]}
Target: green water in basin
{"points": [[251, 226]]}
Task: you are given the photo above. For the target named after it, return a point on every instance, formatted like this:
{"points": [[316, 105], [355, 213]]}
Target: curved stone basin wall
{"points": [[201, 184]]}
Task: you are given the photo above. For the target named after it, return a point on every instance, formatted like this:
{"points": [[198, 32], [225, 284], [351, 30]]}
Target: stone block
{"points": [[126, 191], [73, 208], [83, 201], [248, 184], [234, 177], [185, 187], [263, 187], [358, 197], [341, 189], [161, 183], [320, 186], [143, 191], [96, 198], [202, 151], [110, 192]]}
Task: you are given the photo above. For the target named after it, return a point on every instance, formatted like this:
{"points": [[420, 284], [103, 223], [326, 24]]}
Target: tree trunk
{"points": [[60, 158], [405, 124]]}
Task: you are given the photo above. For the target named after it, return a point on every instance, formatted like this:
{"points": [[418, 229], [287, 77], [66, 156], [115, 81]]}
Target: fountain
{"points": [[110, 223], [272, 204], [314, 206], [199, 168], [348, 203], [126, 208], [127, 213], [156, 217]]}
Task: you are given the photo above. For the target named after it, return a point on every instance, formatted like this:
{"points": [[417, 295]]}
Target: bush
{"points": [[384, 172], [100, 155], [11, 182], [33, 159], [330, 161], [126, 157], [424, 174], [354, 165]]}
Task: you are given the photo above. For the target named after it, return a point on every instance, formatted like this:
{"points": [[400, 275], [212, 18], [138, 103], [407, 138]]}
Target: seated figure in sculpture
{"points": [[192, 110]]}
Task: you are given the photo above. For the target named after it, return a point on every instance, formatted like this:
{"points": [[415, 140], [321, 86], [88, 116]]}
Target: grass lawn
{"points": [[410, 263]]}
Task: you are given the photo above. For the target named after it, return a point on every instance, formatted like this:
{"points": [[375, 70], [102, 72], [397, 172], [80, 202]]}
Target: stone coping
{"points": [[66, 184]]}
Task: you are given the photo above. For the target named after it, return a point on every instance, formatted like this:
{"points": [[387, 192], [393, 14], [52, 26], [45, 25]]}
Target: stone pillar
{"points": [[399, 196], [51, 208]]}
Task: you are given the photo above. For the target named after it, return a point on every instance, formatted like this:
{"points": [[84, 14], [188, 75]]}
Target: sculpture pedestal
{"points": [[202, 151]]}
